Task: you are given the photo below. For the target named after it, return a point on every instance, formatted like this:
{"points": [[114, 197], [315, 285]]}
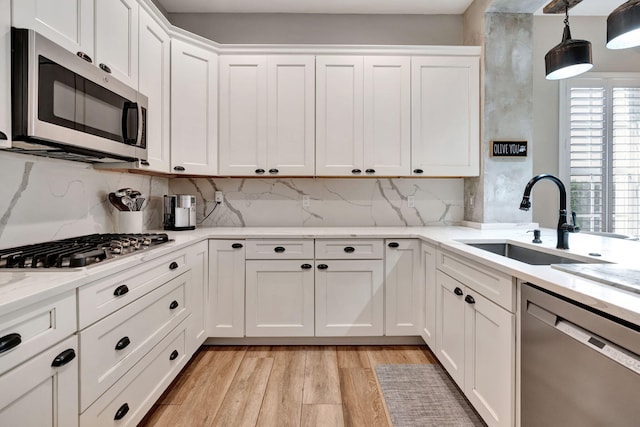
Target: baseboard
{"points": [[407, 340]]}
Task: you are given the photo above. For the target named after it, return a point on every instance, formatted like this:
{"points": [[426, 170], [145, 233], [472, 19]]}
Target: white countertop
{"points": [[20, 288]]}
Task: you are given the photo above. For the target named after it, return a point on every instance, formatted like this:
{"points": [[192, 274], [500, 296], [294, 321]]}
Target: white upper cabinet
{"points": [[5, 73], [116, 39], [154, 66], [68, 23], [363, 116], [445, 138], [194, 125], [267, 115]]}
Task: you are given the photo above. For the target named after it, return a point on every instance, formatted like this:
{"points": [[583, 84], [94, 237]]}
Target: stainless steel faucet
{"points": [[564, 228]]}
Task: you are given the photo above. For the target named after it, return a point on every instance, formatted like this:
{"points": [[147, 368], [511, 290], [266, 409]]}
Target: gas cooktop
{"points": [[82, 251]]}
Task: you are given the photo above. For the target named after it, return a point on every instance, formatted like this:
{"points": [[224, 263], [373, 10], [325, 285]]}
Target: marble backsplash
{"points": [[333, 202], [43, 199]]}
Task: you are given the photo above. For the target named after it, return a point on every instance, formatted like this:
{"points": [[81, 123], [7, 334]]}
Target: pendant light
{"points": [[623, 26], [570, 57]]}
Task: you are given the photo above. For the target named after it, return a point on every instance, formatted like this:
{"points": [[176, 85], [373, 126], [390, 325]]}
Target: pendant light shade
{"points": [[569, 58], [623, 26]]}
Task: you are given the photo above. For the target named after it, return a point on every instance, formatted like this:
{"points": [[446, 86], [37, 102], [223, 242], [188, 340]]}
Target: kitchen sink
{"points": [[529, 256]]}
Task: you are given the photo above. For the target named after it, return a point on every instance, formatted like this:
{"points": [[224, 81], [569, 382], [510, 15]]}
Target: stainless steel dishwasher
{"points": [[579, 366]]}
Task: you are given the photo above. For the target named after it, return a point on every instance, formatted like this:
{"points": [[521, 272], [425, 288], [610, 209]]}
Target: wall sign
{"points": [[508, 148]]}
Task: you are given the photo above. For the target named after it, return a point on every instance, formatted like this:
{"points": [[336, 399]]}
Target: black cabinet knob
{"points": [[458, 291], [236, 245], [179, 168], [10, 341], [105, 68], [322, 266], [173, 265], [370, 171], [418, 171], [273, 171], [259, 171], [174, 354], [145, 163], [3, 136], [279, 249], [305, 266], [393, 244], [349, 249], [469, 299], [174, 304], [123, 343], [121, 412], [85, 57], [63, 358], [121, 290], [356, 171]]}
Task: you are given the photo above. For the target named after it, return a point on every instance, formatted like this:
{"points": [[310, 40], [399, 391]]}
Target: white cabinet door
{"points": [[243, 115], [429, 281], [387, 115], [445, 138], [194, 113], [5, 73], [69, 23], [225, 314], [291, 115], [450, 333], [339, 116], [37, 394], [403, 287], [349, 298], [154, 81], [489, 359], [279, 299], [116, 39], [197, 259]]}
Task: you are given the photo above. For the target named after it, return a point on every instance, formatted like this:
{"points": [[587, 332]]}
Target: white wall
{"points": [[547, 32]]}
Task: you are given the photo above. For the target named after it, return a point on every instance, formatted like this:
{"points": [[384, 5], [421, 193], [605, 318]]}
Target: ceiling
{"points": [[419, 7]]}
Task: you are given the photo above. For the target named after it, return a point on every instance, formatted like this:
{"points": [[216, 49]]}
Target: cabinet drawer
{"points": [[492, 284], [112, 346], [349, 249], [279, 249], [135, 393], [101, 298], [32, 329]]}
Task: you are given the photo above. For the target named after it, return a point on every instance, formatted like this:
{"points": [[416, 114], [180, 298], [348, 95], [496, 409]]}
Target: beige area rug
{"points": [[424, 396]]}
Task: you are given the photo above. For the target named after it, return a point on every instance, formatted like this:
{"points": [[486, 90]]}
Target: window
{"points": [[600, 153]]}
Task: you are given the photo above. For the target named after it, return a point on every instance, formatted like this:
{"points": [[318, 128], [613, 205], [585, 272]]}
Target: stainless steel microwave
{"points": [[64, 106]]}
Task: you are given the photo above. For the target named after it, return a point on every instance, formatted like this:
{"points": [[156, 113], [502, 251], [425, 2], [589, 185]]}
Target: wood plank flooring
{"points": [[281, 386]]}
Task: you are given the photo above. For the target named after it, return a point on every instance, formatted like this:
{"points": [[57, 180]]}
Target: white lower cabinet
{"points": [[279, 299], [428, 272], [475, 342], [197, 260], [225, 313], [38, 394], [403, 287]]}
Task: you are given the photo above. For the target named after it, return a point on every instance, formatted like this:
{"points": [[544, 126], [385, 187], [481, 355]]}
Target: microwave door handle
{"points": [[140, 124], [128, 106]]}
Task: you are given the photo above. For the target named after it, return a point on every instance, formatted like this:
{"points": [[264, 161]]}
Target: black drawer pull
{"points": [[85, 57], [418, 171], [179, 168], [174, 355], [236, 245], [349, 249], [121, 290], [458, 291], [145, 163], [174, 304], [356, 171], [322, 266], [3, 136], [393, 244], [123, 343], [173, 265], [10, 341], [121, 412], [305, 266], [259, 171], [105, 68], [279, 249], [63, 358], [274, 171], [370, 171], [469, 299]]}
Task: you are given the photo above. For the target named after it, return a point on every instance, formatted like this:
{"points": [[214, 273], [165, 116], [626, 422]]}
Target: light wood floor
{"points": [[282, 386]]}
